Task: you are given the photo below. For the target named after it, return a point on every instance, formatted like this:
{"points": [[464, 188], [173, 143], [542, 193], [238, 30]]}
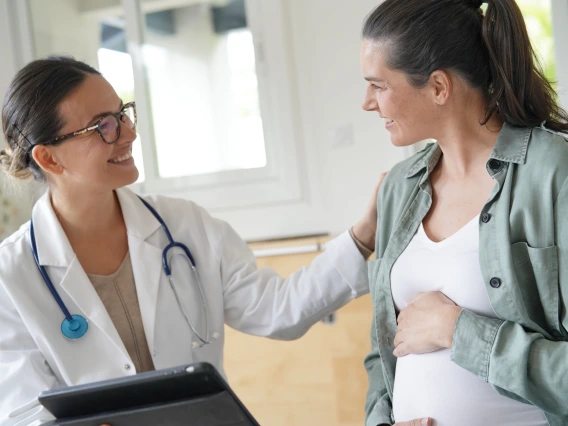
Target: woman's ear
{"points": [[46, 160], [441, 85]]}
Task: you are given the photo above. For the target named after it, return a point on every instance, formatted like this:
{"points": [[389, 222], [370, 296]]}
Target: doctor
{"points": [[84, 295]]}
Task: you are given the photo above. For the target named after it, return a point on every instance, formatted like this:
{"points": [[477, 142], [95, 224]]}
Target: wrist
{"points": [[450, 319], [365, 234]]}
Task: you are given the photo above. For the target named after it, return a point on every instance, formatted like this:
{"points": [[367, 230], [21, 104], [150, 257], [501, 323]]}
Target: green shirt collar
{"points": [[511, 147]]}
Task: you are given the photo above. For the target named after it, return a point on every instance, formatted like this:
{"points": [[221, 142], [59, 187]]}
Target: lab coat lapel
{"points": [[146, 258], [67, 275]]}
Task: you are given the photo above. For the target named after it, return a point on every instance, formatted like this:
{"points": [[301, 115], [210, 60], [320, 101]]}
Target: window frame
{"points": [[280, 180]]}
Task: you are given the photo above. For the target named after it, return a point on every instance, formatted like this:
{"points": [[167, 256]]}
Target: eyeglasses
{"points": [[108, 126]]}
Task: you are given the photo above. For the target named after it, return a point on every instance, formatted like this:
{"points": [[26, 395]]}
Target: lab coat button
{"points": [[486, 217], [127, 367]]}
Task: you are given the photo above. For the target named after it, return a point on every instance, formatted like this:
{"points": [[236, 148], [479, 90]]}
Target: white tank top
{"points": [[431, 385]]}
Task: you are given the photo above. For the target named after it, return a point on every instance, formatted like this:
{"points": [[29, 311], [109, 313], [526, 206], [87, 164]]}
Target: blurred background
{"points": [[252, 109]]}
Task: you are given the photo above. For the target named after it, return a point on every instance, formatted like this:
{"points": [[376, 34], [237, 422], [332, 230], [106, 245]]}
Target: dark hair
{"points": [[491, 52], [30, 115]]}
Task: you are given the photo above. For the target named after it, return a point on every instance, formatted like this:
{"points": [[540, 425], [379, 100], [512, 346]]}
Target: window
{"points": [[208, 127]]}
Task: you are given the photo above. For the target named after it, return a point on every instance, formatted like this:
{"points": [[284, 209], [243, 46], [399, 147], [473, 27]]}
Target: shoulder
{"points": [[16, 261], [548, 148], [188, 218], [15, 246], [177, 208], [546, 163]]}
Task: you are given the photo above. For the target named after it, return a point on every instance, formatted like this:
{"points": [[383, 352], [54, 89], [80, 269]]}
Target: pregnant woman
{"points": [[470, 285]]}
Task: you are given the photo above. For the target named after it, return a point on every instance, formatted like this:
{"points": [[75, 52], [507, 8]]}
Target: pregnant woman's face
{"points": [[410, 113]]}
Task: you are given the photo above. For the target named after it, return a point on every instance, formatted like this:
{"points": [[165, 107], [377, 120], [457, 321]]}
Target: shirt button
{"points": [[486, 217], [495, 282], [127, 367], [494, 164]]}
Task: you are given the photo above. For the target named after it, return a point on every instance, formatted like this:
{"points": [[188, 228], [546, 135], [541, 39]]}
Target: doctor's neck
{"points": [[87, 217]]}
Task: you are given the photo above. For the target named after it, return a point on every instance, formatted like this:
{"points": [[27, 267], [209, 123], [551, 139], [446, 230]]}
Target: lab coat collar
{"points": [[53, 246], [146, 258]]}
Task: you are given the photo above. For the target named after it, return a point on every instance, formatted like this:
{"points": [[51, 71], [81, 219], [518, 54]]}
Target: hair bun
{"points": [[476, 4]]}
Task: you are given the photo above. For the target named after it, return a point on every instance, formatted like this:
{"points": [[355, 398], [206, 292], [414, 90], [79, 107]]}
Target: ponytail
{"points": [[519, 91]]}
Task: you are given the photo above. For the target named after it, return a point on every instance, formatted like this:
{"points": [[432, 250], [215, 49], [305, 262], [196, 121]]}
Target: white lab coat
{"points": [[35, 356]]}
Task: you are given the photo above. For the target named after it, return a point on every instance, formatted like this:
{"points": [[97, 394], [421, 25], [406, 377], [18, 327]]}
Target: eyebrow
{"points": [[102, 114], [375, 79]]}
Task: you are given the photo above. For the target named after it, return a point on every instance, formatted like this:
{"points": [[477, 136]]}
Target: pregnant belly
{"points": [[431, 385]]}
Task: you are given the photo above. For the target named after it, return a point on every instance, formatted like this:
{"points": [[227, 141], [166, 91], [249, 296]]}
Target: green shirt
{"points": [[523, 255]]}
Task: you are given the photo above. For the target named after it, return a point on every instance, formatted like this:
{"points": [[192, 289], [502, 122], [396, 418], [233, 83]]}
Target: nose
{"points": [[370, 102], [127, 133]]}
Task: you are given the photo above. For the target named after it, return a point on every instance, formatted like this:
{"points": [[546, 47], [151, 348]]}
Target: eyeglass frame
{"points": [[118, 116]]}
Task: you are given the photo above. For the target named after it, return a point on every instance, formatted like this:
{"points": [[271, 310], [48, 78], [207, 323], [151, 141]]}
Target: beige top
{"points": [[118, 294]]}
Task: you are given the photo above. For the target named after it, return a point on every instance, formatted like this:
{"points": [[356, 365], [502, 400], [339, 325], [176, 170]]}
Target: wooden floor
{"points": [[316, 380]]}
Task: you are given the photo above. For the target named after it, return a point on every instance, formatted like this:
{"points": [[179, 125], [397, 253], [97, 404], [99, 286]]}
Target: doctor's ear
{"points": [[44, 156]]}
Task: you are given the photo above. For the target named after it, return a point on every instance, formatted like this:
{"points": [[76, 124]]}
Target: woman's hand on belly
{"points": [[426, 324], [416, 422]]}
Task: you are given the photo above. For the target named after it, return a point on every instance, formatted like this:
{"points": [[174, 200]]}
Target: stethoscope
{"points": [[76, 326]]}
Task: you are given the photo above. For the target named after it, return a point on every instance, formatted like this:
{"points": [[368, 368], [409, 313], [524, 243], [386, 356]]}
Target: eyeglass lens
{"points": [[109, 125]]}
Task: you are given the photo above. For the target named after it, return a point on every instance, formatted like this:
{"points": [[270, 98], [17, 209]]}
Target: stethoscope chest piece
{"points": [[76, 328]]}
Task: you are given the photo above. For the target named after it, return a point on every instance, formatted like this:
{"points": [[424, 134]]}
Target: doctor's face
{"points": [[408, 111], [88, 163]]}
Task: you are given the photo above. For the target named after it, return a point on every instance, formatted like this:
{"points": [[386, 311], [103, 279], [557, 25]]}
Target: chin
{"points": [[127, 180], [401, 142]]}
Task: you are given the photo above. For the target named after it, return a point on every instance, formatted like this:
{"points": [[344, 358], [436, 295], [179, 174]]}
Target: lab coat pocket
{"points": [[537, 277]]}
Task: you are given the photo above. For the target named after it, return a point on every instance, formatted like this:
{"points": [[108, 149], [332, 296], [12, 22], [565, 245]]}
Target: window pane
{"points": [[61, 28], [203, 87]]}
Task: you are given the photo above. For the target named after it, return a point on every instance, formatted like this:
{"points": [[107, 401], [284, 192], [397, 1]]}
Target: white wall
{"points": [[326, 36]]}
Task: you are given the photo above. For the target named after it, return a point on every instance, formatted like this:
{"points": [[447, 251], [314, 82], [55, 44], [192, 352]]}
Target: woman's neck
{"points": [[467, 145], [85, 218]]}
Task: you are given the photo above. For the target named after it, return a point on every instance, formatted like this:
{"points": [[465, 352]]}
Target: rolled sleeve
{"points": [[474, 337]]}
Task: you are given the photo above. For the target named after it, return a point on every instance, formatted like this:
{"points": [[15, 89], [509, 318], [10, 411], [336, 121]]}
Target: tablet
{"points": [[195, 390]]}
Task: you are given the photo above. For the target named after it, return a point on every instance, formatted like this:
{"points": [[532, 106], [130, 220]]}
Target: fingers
{"points": [[399, 338], [381, 178], [378, 186], [401, 350], [416, 422]]}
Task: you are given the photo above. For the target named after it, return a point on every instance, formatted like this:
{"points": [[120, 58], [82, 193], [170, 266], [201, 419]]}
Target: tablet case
{"points": [[192, 395], [217, 410]]}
